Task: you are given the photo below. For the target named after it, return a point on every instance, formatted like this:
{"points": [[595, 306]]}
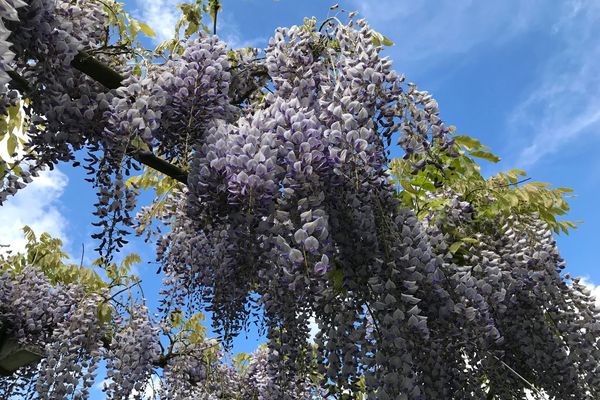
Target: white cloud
{"points": [[428, 31], [595, 289], [161, 15], [565, 106], [37, 205]]}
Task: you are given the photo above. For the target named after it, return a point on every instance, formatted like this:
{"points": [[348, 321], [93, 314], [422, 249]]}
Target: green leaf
{"points": [[129, 260], [214, 7], [468, 142], [191, 29], [376, 38], [408, 187], [134, 28], [137, 70], [11, 145], [241, 361], [454, 247], [104, 313], [387, 42], [486, 155], [539, 184], [337, 278], [564, 190], [512, 199], [145, 28]]}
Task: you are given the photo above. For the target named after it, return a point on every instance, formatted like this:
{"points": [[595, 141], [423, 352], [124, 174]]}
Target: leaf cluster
{"points": [[122, 29], [190, 21], [422, 185], [46, 253]]}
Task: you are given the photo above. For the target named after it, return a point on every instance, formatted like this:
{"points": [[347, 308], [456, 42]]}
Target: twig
{"points": [[82, 253], [496, 187], [122, 290], [533, 388]]}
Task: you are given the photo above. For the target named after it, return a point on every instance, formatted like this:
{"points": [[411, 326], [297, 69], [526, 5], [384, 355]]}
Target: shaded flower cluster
{"points": [[288, 211], [58, 321], [132, 354]]}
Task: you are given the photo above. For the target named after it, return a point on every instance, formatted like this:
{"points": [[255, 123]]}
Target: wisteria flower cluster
{"points": [[291, 203], [8, 12], [61, 321], [133, 352], [288, 214]]}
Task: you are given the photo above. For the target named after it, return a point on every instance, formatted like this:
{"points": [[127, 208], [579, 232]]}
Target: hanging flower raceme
{"points": [[291, 203], [295, 193], [133, 353], [288, 210], [61, 322], [8, 12]]}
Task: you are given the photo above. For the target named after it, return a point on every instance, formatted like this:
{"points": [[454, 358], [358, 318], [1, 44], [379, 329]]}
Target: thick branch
{"points": [[111, 80], [160, 165], [246, 81], [97, 71], [18, 82]]}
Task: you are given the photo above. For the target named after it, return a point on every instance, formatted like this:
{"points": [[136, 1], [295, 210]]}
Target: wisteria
{"points": [[61, 322], [134, 350], [289, 214], [8, 12], [292, 202]]}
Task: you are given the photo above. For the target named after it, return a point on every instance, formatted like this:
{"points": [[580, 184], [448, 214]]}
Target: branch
{"points": [[18, 82], [250, 76], [160, 165], [97, 71], [111, 79]]}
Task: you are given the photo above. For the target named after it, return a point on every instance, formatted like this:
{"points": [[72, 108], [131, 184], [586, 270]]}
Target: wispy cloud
{"points": [[565, 106], [229, 31], [425, 30], [37, 205], [162, 15]]}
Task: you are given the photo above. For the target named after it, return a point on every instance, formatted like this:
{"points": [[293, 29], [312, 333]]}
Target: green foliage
{"points": [[120, 275], [191, 22], [497, 197], [379, 39], [190, 333], [46, 254], [189, 330], [13, 137], [240, 361], [121, 27], [122, 37], [162, 203]]}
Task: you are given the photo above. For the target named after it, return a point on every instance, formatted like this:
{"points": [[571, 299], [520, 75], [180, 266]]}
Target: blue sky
{"points": [[521, 76]]}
